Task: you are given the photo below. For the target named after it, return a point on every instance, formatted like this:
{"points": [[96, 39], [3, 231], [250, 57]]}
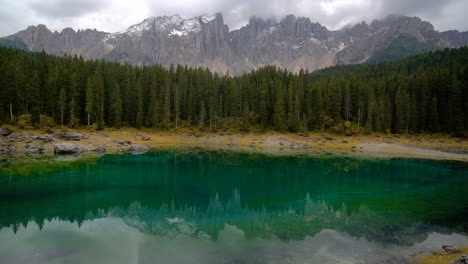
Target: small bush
{"points": [[356, 130], [257, 129], [328, 121], [10, 128], [46, 122], [74, 123], [64, 129], [347, 128], [24, 121], [338, 128], [93, 127], [231, 124]]}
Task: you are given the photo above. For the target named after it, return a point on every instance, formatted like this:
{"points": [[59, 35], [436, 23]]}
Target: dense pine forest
{"points": [[427, 93]]}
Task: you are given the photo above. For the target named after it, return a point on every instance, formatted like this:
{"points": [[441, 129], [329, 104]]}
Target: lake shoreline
{"points": [[36, 143]]}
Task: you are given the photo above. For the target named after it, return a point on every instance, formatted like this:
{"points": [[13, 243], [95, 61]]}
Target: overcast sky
{"points": [[116, 15]]}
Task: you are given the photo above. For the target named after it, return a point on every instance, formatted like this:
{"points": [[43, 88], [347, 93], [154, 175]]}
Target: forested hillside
{"points": [[424, 93], [402, 47]]}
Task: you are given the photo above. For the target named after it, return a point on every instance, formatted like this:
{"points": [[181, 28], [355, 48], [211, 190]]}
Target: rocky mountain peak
{"points": [[173, 25], [68, 30], [292, 42], [36, 29], [40, 27]]}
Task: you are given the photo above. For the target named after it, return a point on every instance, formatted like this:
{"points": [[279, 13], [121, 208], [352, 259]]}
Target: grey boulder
{"points": [[234, 144], [5, 132], [100, 149], [72, 136], [45, 138], [68, 148], [138, 149], [463, 259]]}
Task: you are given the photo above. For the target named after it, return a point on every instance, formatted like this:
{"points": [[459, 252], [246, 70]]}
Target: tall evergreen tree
{"points": [[139, 104], [62, 100], [426, 93]]}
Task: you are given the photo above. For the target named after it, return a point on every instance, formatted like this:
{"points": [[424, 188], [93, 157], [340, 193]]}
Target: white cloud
{"points": [[116, 15]]}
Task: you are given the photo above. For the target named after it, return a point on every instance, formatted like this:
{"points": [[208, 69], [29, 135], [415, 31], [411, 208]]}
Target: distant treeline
{"points": [[424, 93]]}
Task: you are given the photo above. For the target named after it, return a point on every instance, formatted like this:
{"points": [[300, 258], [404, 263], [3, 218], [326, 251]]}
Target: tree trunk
{"points": [[359, 117], [72, 109], [11, 111], [89, 117], [61, 115], [176, 109], [216, 121], [211, 122]]}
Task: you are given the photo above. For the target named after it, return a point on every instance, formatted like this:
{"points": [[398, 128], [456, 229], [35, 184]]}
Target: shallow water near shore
{"points": [[222, 207]]}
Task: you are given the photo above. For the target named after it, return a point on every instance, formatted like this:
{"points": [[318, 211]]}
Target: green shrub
{"points": [[46, 121], [10, 128], [231, 124], [347, 128], [24, 121], [75, 122]]}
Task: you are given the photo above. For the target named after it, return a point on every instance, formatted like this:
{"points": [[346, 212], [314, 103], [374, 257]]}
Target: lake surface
{"points": [[215, 207]]}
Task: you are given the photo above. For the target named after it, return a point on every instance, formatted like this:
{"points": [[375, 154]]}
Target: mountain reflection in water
{"points": [[212, 207]]}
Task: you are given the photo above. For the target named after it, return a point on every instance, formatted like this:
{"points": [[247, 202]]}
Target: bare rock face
{"points": [[362, 41], [84, 43], [68, 148], [293, 43]]}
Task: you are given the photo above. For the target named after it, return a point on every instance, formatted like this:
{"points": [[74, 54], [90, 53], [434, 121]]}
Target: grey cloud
{"points": [[66, 8], [431, 10], [237, 12], [115, 15], [405, 7]]}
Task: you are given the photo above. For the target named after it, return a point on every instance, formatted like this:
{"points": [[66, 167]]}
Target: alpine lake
{"points": [[226, 207]]}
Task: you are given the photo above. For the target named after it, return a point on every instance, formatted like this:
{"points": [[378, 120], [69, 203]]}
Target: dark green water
{"points": [[206, 207]]}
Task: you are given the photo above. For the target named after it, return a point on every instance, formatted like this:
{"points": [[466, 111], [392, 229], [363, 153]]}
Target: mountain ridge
{"points": [[293, 43]]}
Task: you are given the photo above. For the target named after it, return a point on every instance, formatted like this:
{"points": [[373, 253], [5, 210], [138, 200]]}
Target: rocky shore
{"points": [[59, 142], [447, 254], [35, 143]]}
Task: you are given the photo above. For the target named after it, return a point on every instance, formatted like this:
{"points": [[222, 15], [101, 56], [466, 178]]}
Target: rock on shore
{"points": [[68, 148], [4, 132], [461, 260], [72, 136], [138, 149]]}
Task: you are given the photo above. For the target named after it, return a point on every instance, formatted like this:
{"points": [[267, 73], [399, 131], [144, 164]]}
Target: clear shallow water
{"points": [[207, 207]]}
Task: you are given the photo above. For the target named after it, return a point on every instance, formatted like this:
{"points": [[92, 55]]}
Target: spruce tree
{"points": [[62, 100], [139, 104], [279, 116]]}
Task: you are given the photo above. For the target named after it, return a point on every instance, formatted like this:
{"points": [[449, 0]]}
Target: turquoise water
{"points": [[215, 207]]}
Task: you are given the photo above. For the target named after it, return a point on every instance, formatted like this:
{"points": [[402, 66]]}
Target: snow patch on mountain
{"points": [[341, 46], [184, 27], [208, 18], [174, 25], [108, 41], [315, 41]]}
